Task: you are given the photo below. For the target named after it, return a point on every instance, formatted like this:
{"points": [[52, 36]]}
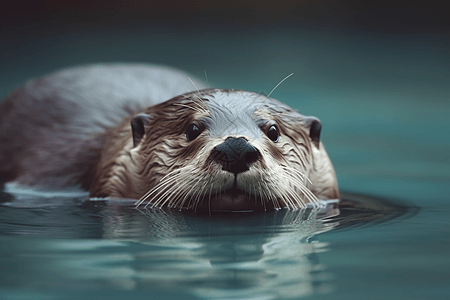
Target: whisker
{"points": [[164, 182], [178, 184], [167, 195], [189, 192], [199, 102], [158, 187], [193, 84], [296, 200], [146, 195], [303, 176], [206, 77], [199, 194], [300, 185], [279, 84], [188, 106]]}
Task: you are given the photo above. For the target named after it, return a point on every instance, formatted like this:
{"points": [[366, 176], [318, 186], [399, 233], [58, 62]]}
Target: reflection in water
{"points": [[112, 245], [268, 257]]}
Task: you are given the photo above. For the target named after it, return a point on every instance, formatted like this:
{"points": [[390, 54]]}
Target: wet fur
{"points": [[54, 129], [58, 131]]}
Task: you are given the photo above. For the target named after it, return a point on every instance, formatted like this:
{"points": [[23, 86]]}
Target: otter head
{"points": [[218, 150]]}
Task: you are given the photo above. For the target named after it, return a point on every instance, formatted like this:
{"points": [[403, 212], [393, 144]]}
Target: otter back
{"points": [[51, 128]]}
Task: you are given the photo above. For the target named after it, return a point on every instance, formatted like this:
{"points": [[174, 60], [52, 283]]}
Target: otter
{"points": [[153, 134]]}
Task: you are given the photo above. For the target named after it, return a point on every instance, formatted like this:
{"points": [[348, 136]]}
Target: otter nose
{"points": [[235, 155]]}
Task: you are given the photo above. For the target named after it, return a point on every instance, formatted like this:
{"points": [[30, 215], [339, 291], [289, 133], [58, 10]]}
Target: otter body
{"points": [[153, 134]]}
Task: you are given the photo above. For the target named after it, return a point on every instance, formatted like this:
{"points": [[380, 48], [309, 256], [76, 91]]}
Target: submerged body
{"points": [[135, 131]]}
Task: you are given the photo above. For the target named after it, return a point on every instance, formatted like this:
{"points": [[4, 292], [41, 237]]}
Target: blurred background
{"points": [[375, 72]]}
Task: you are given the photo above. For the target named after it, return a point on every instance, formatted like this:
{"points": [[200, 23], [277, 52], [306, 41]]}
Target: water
{"points": [[383, 101], [65, 243]]}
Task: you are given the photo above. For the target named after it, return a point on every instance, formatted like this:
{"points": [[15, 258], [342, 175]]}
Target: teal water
{"points": [[383, 100]]}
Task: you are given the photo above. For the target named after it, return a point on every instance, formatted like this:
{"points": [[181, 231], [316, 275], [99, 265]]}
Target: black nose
{"points": [[235, 155]]}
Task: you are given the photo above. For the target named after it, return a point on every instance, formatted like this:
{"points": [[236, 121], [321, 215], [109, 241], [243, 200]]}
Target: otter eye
{"points": [[273, 134], [192, 132]]}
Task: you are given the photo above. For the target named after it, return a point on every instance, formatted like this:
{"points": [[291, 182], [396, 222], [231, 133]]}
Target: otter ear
{"points": [[138, 127], [315, 127]]}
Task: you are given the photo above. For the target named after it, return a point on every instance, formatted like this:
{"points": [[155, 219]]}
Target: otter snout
{"points": [[235, 155]]}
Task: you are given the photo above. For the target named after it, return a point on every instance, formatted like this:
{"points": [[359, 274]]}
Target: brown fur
{"points": [[45, 142]]}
